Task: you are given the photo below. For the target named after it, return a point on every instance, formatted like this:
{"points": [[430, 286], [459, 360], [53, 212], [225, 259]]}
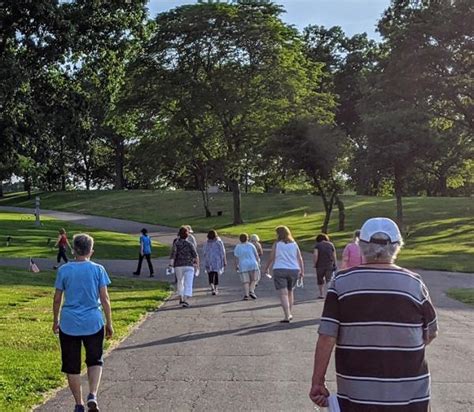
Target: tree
{"points": [[236, 69], [317, 150]]}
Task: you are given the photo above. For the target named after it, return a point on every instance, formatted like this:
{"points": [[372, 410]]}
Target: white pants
{"points": [[185, 277]]}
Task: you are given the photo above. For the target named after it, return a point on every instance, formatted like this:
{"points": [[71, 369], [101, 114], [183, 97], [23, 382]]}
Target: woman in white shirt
{"points": [[288, 266]]}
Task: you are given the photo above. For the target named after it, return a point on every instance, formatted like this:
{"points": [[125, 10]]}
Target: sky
{"points": [[354, 16]]}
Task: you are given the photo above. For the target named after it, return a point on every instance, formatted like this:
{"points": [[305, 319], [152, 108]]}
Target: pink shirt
{"points": [[352, 256]]}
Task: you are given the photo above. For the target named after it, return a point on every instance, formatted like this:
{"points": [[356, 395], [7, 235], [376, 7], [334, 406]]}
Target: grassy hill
{"points": [[439, 231]]}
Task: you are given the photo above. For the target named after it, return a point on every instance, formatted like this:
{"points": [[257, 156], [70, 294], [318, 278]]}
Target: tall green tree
{"points": [[317, 151], [228, 72]]}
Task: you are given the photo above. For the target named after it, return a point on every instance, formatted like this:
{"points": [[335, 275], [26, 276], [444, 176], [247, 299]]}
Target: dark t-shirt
{"points": [[325, 254]]}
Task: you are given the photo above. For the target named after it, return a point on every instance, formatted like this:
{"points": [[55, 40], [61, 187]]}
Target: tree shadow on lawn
{"points": [[245, 331]]}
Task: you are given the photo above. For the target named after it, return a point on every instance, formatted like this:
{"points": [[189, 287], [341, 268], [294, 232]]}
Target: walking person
{"points": [[352, 256], [324, 259], [62, 244], [287, 264], [255, 240], [145, 252], [380, 318], [185, 260], [191, 237], [77, 318], [214, 259], [246, 263]]}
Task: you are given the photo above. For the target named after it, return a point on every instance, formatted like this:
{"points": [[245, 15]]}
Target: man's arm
{"points": [[57, 299], [324, 347]]}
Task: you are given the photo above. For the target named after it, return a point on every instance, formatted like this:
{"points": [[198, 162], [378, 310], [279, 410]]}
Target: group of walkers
{"points": [[377, 315]]}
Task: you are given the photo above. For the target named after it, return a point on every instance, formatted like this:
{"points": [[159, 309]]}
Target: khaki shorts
{"points": [[247, 277]]}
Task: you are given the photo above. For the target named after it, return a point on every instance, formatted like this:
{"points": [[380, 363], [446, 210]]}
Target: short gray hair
{"points": [[379, 253], [83, 244]]}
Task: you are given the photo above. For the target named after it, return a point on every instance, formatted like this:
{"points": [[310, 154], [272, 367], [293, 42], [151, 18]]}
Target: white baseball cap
{"points": [[380, 225]]}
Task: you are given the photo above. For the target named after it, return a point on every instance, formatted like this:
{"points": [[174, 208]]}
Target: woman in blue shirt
{"points": [[247, 264], [83, 285], [145, 252]]}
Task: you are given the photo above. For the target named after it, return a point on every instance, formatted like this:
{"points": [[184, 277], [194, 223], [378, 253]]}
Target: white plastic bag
{"points": [[333, 404], [169, 271]]}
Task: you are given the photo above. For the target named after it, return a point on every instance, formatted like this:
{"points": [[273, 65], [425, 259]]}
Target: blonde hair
{"points": [[284, 234]]}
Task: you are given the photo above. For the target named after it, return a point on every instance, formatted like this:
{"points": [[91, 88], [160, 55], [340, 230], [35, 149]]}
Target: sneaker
{"points": [[185, 305], [245, 297], [136, 274], [253, 295], [92, 404], [152, 275], [79, 408], [55, 267], [213, 292]]}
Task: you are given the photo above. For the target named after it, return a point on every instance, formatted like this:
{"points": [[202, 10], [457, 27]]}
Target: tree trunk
{"points": [[27, 186], [442, 185], [235, 186], [119, 163], [1, 189], [342, 213], [398, 195], [62, 165]]}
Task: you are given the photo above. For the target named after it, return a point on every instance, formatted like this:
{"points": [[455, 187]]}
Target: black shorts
{"points": [[324, 274], [71, 351], [285, 278]]}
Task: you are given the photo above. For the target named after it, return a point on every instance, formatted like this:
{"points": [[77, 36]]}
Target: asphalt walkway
{"points": [[225, 354]]}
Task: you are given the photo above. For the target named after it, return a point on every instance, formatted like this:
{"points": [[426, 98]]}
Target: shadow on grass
{"points": [[245, 331]]}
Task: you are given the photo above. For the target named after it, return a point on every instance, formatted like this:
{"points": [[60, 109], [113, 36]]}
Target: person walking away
{"points": [[324, 259], [255, 240], [352, 256], [185, 260], [62, 244], [191, 237], [81, 290], [287, 264], [214, 259], [380, 318], [246, 263], [145, 252]]}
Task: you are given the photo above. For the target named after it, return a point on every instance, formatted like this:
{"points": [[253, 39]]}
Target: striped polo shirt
{"points": [[380, 318]]}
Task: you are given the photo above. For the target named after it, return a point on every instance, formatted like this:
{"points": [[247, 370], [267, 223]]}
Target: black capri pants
{"points": [[71, 351]]}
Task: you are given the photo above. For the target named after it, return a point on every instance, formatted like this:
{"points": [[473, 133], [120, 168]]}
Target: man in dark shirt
{"points": [[324, 258]]}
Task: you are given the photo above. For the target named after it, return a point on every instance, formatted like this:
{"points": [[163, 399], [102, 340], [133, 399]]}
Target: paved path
{"points": [[224, 354]]}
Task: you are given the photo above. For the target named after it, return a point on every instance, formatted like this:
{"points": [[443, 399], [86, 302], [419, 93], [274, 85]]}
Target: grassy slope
{"points": [[463, 295], [29, 352], [29, 240], [439, 230]]}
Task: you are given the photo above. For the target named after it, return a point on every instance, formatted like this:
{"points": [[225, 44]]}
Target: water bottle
{"points": [[268, 275], [300, 283]]}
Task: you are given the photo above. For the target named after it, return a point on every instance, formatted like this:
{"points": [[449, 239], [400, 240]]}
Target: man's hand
{"points": [[109, 331], [319, 395], [55, 328]]}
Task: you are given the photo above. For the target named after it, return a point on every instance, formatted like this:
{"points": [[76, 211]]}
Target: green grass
{"points": [[29, 352], [439, 230], [31, 241], [463, 295]]}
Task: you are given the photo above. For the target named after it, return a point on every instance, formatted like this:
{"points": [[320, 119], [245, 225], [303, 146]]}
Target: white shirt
{"points": [[286, 256]]}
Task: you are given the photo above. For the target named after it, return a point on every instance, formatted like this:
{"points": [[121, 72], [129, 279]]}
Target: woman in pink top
{"points": [[352, 256]]}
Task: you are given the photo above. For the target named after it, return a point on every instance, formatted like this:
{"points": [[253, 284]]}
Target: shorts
{"points": [[285, 278], [323, 274], [249, 276], [71, 351]]}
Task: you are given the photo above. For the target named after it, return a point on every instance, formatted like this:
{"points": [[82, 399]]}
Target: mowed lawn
{"points": [[29, 351], [28, 240], [439, 231], [463, 295]]}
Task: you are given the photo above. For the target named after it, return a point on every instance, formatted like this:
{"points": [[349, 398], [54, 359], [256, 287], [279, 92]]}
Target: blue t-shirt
{"points": [[248, 257], [81, 312], [146, 242]]}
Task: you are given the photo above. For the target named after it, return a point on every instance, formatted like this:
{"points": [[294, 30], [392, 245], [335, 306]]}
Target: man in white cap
{"points": [[380, 318]]}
